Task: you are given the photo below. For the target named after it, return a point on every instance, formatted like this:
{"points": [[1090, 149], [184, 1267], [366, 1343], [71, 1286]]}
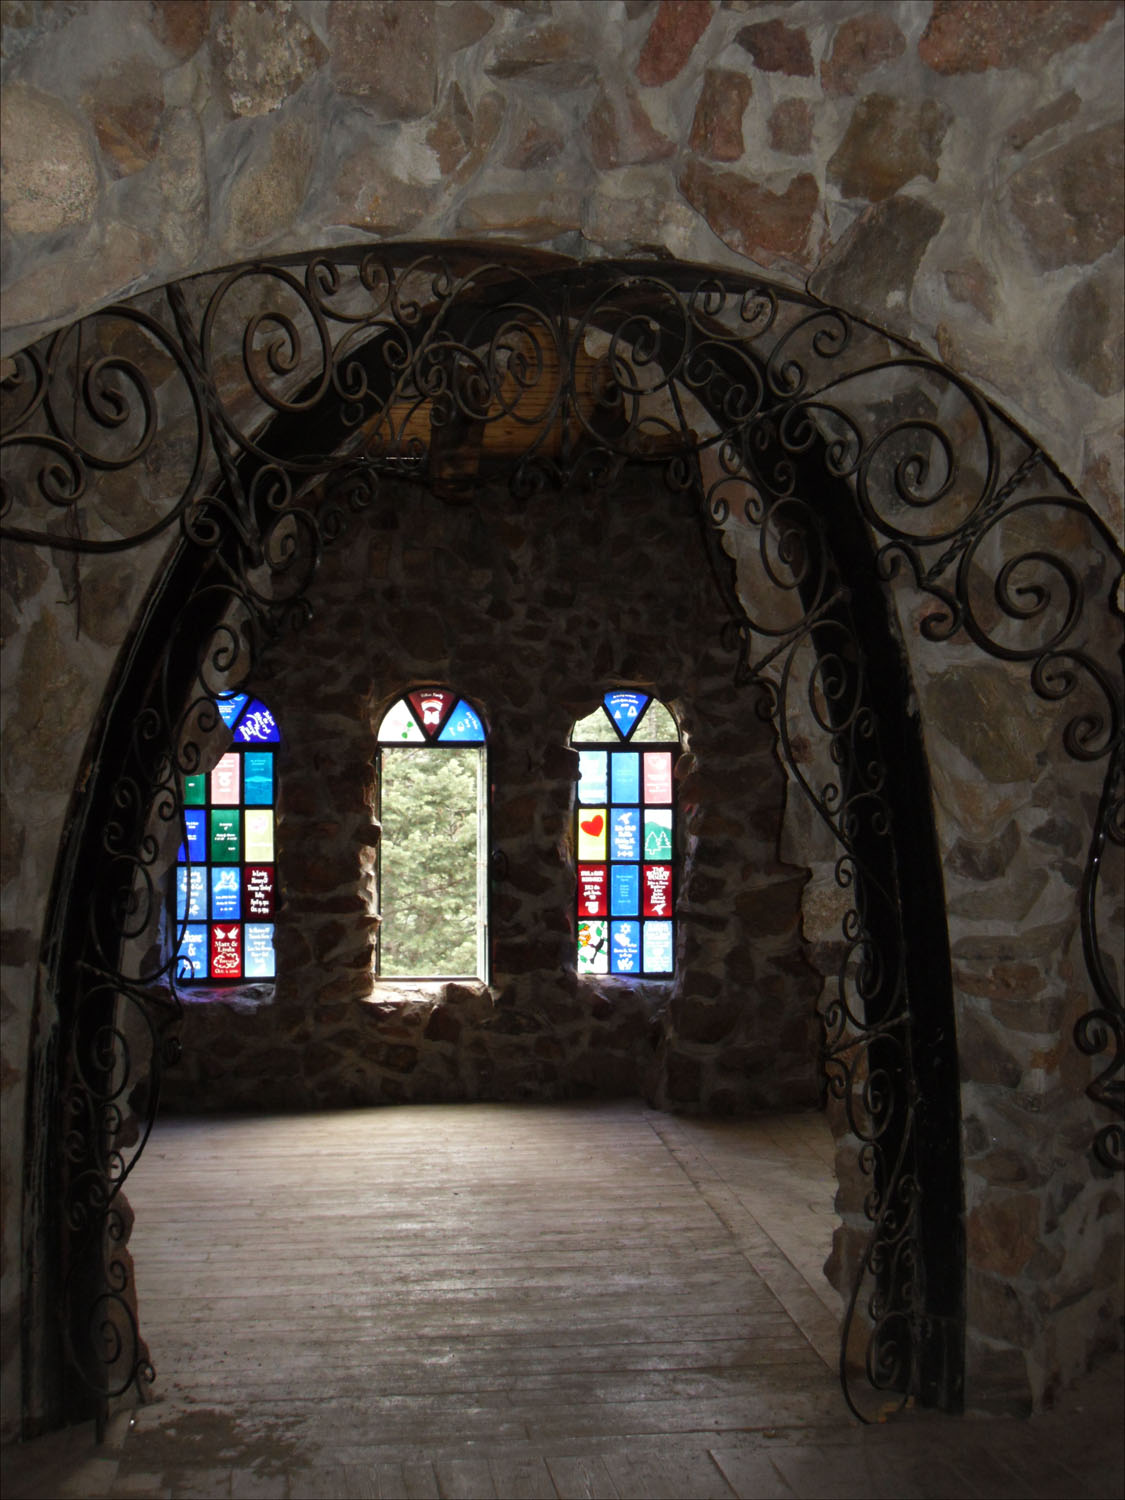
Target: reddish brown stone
{"points": [[551, 57], [777, 48], [383, 53], [126, 111], [969, 36], [622, 135], [1024, 131], [1064, 201], [534, 145], [716, 131], [973, 283], [443, 1026], [749, 217], [181, 24], [888, 142], [791, 126], [677, 27], [1001, 1235], [463, 24], [861, 44]]}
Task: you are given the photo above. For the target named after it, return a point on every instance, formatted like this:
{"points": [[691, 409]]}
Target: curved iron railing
{"points": [[271, 397]]}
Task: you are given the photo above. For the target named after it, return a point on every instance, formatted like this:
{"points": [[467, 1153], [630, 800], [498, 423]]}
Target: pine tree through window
{"points": [[624, 836], [433, 847]]}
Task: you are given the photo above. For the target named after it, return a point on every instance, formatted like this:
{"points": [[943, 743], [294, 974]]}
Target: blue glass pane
{"points": [[625, 709], [625, 893], [191, 958], [624, 947], [463, 726], [591, 776], [230, 708], [226, 893], [257, 725], [625, 833], [196, 825], [626, 776], [658, 948], [196, 906], [257, 777], [258, 960]]}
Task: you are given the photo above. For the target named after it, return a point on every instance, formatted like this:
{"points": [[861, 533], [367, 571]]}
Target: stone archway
{"points": [[771, 405]]}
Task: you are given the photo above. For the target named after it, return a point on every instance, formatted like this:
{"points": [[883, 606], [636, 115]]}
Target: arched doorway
{"points": [[290, 388]]}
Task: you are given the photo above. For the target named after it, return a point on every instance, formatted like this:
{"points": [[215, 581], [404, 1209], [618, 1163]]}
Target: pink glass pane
{"points": [[658, 776], [225, 781], [591, 890], [432, 707], [658, 890], [226, 950]]}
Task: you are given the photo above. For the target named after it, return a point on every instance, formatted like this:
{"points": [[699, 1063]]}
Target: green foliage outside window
{"points": [[430, 800]]}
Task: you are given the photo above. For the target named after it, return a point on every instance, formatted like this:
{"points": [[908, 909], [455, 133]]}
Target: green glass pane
{"points": [[226, 836], [195, 791], [400, 726], [595, 728], [657, 724]]}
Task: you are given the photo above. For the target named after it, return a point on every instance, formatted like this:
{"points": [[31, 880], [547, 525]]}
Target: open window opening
{"points": [[625, 837], [433, 848]]}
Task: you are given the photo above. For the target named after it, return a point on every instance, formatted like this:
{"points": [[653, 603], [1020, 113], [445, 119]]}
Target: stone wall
{"points": [[532, 610], [950, 171]]}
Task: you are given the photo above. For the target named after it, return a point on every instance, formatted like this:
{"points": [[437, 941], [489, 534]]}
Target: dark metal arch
{"points": [[290, 386]]}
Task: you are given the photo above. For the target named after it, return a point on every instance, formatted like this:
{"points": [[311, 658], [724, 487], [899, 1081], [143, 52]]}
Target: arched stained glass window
{"points": [[624, 836], [433, 809], [225, 870]]}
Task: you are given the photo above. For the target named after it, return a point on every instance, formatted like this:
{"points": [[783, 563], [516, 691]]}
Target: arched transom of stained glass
{"points": [[624, 837], [433, 808], [225, 870]]}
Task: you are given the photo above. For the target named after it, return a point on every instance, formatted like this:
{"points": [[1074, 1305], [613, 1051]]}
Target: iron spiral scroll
{"points": [[276, 394]]}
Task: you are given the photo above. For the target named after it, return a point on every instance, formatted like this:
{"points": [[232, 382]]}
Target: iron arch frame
{"points": [[288, 388]]}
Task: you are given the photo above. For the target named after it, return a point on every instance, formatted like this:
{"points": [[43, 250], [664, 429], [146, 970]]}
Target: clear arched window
{"points": [[433, 808], [225, 870], [624, 836]]}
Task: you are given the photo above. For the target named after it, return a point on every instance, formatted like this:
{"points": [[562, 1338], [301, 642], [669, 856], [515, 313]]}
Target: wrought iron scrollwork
{"points": [[245, 417]]}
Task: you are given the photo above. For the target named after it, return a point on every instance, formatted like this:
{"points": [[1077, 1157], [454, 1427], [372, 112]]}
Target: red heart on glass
{"points": [[593, 826]]}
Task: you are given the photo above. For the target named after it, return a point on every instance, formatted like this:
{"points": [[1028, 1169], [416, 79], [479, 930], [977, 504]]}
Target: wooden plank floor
{"points": [[517, 1301], [469, 1283]]}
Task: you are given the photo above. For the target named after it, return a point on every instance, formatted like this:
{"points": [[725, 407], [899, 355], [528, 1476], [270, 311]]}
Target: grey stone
{"points": [[985, 713], [1092, 330], [50, 180], [266, 52], [872, 269]]}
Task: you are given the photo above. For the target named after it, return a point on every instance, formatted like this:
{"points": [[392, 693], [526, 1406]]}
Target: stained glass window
{"points": [[225, 870], [624, 836], [433, 848]]}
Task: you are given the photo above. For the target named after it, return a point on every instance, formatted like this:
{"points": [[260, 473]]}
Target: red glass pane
{"points": [[658, 890], [226, 950], [658, 776], [591, 890], [257, 891], [432, 706]]}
